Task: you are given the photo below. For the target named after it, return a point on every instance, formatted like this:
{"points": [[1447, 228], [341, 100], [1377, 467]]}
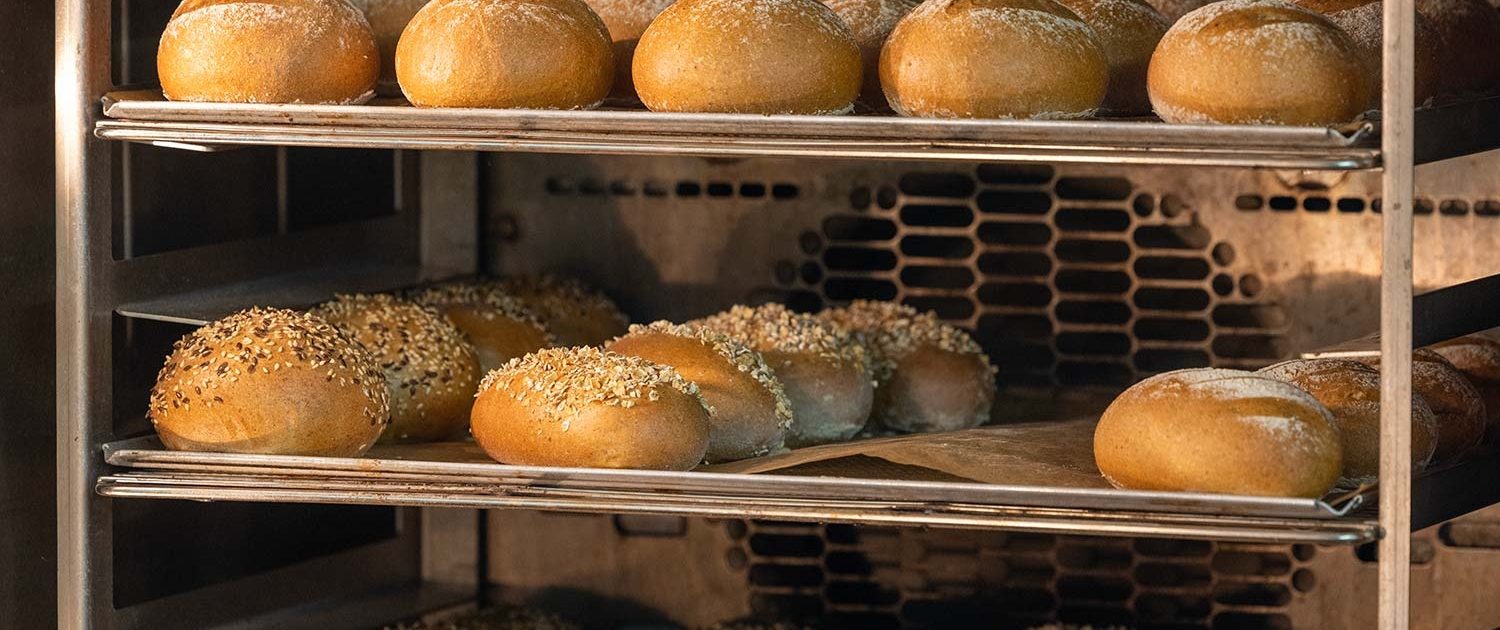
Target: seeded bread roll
{"points": [[1479, 359], [1362, 19], [273, 382], [532, 54], [1265, 62], [748, 411], [747, 57], [267, 51], [576, 313], [387, 19], [1351, 392], [1128, 31], [626, 21], [929, 376], [498, 326], [584, 407], [1224, 431], [1456, 404], [431, 372], [824, 372], [1465, 32], [993, 59], [871, 21]]}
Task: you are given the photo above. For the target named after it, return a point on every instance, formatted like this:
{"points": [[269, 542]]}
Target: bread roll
{"points": [[1362, 20], [1479, 359], [1173, 10], [871, 21], [388, 18], [1455, 403], [1265, 62], [430, 371], [533, 54], [1223, 431], [498, 326], [1128, 31], [1351, 392], [929, 376], [273, 382], [748, 411], [993, 59], [747, 57], [575, 312], [1464, 32], [267, 51], [584, 407], [626, 21], [824, 372]]}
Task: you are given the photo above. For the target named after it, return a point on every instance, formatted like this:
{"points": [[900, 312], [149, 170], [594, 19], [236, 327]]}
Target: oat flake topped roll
{"points": [[578, 314], [499, 326]]}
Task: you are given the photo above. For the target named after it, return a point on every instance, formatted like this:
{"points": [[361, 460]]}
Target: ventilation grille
{"points": [[1319, 203], [857, 577]]}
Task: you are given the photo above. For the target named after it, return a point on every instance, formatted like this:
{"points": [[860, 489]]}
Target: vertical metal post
{"points": [[1396, 105]]}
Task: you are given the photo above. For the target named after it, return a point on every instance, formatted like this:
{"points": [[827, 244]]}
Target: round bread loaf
{"points": [[1214, 430], [1351, 392], [1456, 404], [584, 407], [993, 59], [430, 371], [575, 312], [267, 51], [1362, 19], [626, 21], [1128, 31], [824, 372], [871, 21], [747, 57], [1464, 35], [1264, 62], [748, 411], [532, 54], [269, 381], [929, 376], [388, 18], [1479, 359], [499, 326], [1173, 10]]}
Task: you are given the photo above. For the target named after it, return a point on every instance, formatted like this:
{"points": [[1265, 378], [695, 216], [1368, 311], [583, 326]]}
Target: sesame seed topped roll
{"points": [[499, 326], [270, 381], [575, 312]]}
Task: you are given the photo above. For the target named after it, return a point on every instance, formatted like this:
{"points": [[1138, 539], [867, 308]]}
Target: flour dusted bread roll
{"points": [[626, 21], [578, 314], [1173, 10], [431, 372], [871, 21], [929, 376], [1128, 31], [584, 407], [388, 18], [267, 51], [1456, 405], [499, 326], [1464, 35], [1265, 62], [1351, 392], [993, 59], [1214, 430], [269, 381], [747, 57], [748, 411], [825, 373], [533, 54], [1479, 359], [1361, 19]]}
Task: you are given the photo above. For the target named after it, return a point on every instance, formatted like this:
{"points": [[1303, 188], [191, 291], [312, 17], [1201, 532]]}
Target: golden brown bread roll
{"points": [[1351, 392], [871, 21], [575, 312], [269, 381], [1173, 10], [929, 376], [584, 407], [1464, 32], [1362, 19], [1479, 359], [1265, 62], [388, 18], [534, 54], [1456, 404], [431, 372], [748, 411], [626, 21], [1214, 430], [747, 57], [993, 59], [824, 372], [267, 51], [1128, 31], [499, 326]]}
